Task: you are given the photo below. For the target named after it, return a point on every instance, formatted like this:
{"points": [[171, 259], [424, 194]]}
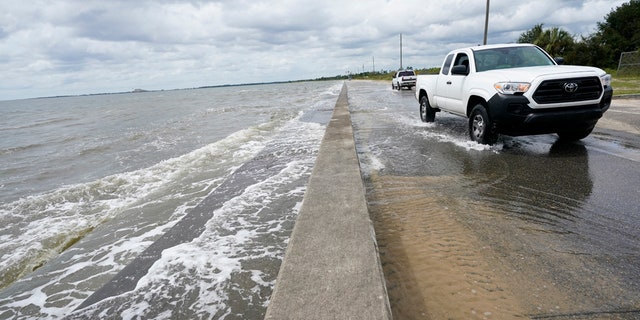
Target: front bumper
{"points": [[512, 115]]}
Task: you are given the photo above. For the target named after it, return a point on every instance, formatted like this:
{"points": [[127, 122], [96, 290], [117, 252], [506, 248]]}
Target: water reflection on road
{"points": [[528, 228]]}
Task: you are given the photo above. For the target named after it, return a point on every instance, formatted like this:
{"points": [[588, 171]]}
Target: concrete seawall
{"points": [[331, 269]]}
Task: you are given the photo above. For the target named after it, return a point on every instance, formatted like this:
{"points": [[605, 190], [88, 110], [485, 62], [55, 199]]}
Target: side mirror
{"points": [[460, 70], [559, 60]]}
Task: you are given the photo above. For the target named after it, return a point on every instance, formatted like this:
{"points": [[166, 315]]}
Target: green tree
{"points": [[620, 32], [555, 41], [531, 35], [589, 51]]}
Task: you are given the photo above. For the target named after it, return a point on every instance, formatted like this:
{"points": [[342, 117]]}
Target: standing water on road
{"points": [[87, 183], [530, 228]]}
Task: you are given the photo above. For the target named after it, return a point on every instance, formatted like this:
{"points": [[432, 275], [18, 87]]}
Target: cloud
{"points": [[88, 46]]}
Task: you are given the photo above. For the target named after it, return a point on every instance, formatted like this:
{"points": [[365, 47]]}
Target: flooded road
{"points": [[530, 228]]}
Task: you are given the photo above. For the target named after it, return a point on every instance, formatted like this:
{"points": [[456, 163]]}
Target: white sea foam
{"points": [[370, 164], [434, 131], [72, 211], [37, 228], [205, 268], [118, 216], [213, 258]]}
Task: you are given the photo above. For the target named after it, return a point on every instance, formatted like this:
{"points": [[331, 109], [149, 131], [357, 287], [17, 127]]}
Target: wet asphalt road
{"points": [[528, 228]]}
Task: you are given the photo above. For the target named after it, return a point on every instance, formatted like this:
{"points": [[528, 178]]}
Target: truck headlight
{"points": [[512, 87], [605, 80]]}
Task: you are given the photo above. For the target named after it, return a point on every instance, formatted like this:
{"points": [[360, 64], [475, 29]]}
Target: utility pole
{"points": [[401, 50], [486, 24], [373, 62]]}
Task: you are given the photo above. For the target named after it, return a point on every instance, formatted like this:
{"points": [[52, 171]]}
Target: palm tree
{"points": [[555, 41], [531, 35]]}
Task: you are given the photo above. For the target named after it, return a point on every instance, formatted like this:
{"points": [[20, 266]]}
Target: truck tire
{"points": [[574, 135], [481, 127], [427, 114]]}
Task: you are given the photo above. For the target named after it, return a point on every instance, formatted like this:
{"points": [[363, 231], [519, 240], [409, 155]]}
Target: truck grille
{"points": [[560, 90]]}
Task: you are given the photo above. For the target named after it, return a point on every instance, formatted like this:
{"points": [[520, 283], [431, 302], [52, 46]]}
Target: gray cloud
{"points": [[87, 46]]}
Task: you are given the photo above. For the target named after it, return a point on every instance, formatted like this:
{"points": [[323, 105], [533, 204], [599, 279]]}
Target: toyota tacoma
{"points": [[515, 89]]}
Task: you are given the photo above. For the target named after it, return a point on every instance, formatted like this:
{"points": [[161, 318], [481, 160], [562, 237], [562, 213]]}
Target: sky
{"points": [[73, 47]]}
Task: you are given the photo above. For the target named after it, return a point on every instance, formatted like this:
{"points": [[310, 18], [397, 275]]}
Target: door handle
{"points": [[448, 82]]}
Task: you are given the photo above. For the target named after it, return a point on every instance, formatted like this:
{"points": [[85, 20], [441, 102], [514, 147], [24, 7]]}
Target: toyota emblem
{"points": [[570, 87]]}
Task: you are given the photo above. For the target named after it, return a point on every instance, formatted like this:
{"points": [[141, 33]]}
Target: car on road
{"points": [[403, 79], [515, 89]]}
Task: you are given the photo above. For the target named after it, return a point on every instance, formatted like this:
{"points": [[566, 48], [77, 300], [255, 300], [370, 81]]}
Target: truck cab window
{"points": [[463, 60], [447, 64]]}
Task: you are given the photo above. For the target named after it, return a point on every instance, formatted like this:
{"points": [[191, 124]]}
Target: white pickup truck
{"points": [[403, 79], [515, 89]]}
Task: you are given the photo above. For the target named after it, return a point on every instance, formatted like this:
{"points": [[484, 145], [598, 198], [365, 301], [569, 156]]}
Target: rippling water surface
{"points": [[87, 183], [531, 227]]}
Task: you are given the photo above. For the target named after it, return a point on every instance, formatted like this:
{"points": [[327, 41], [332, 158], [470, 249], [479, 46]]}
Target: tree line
{"points": [[620, 32]]}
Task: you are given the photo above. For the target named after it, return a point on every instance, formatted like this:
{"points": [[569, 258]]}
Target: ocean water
{"points": [[88, 183]]}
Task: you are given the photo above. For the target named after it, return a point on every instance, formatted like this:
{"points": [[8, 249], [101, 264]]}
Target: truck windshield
{"points": [[511, 57]]}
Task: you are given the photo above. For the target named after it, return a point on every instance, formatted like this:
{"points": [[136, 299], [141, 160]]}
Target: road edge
{"points": [[331, 268]]}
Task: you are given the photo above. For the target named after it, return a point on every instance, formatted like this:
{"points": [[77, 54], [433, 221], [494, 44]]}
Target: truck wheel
{"points": [[427, 114], [574, 135], [480, 126]]}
